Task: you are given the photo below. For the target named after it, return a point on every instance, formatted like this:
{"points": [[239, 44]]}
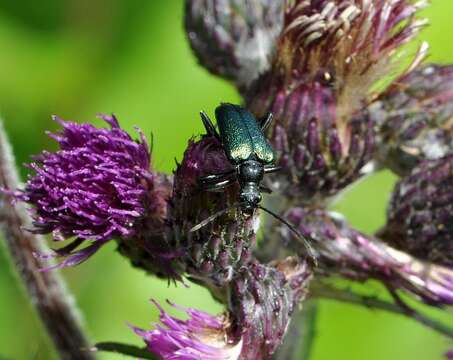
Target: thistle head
{"points": [[328, 57], [201, 336], [223, 244], [348, 44], [420, 213], [234, 39], [96, 187], [415, 118], [262, 299], [260, 303]]}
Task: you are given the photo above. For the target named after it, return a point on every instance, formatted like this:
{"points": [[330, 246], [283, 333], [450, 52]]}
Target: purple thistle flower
{"points": [[202, 336], [261, 300], [420, 213], [96, 187]]}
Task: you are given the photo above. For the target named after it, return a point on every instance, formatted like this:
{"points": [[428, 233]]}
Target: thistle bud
{"points": [[328, 57], [262, 300], [232, 38], [98, 186], [420, 213], [344, 251], [215, 251], [415, 118]]}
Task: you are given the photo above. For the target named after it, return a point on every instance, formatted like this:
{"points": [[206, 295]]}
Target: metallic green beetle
{"points": [[251, 155], [246, 148]]}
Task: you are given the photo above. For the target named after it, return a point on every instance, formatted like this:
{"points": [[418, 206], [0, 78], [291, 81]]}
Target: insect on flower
{"points": [[247, 149]]}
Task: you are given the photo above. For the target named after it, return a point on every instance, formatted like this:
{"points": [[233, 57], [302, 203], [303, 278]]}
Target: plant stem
{"points": [[299, 338], [47, 290], [398, 307], [125, 349]]}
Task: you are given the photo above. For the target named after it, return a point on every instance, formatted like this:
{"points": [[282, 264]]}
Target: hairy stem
{"points": [[47, 290], [397, 307], [299, 339]]}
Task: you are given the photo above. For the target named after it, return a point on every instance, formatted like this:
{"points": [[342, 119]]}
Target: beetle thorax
{"points": [[250, 173]]}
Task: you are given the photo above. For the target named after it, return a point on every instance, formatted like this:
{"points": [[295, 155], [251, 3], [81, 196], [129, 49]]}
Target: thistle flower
{"points": [[415, 118], [420, 213], [202, 336], [345, 251], [232, 38], [349, 44], [215, 251], [96, 187], [329, 55], [261, 300]]}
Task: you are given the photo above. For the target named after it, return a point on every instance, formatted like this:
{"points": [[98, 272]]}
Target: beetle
{"points": [[247, 149]]}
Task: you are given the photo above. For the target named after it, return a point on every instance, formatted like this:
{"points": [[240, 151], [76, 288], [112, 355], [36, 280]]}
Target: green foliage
{"points": [[76, 58]]}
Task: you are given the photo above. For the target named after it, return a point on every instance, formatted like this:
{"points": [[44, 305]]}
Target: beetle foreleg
{"points": [[271, 168], [215, 177], [265, 189], [219, 185]]}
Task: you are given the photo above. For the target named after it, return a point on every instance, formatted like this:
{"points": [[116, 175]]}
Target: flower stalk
{"points": [[324, 291], [47, 290]]}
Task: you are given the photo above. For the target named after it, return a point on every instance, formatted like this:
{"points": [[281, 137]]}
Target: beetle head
{"points": [[250, 197]]}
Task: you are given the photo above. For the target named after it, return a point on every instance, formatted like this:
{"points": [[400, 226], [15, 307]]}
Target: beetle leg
{"points": [[220, 185], [271, 168], [215, 177], [265, 189], [209, 126], [266, 122]]}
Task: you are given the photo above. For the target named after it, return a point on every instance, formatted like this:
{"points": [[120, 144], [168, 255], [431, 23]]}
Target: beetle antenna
{"points": [[305, 242], [266, 122], [213, 217], [209, 126]]}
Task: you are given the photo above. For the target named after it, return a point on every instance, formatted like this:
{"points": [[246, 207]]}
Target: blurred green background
{"points": [[76, 58]]}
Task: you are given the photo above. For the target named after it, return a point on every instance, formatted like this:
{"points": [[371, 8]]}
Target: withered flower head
{"points": [[345, 251], [329, 56], [348, 43]]}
